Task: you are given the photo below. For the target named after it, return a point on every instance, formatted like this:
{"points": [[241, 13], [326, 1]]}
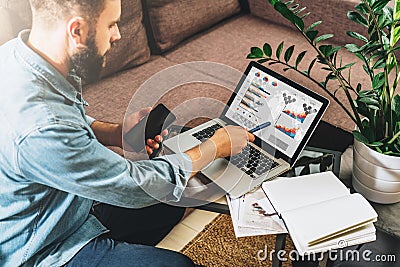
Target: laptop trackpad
{"points": [[223, 173]]}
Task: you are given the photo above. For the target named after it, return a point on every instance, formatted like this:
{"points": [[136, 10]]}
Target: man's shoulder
{"points": [[6, 50]]}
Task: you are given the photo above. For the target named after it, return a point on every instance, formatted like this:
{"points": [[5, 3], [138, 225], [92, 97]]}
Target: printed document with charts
{"points": [[250, 217], [320, 213]]}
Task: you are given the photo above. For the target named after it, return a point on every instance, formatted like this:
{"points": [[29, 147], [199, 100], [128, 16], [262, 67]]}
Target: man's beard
{"points": [[88, 63]]}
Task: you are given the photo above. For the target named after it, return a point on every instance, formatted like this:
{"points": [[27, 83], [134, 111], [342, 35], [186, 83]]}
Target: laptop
{"points": [[290, 114]]}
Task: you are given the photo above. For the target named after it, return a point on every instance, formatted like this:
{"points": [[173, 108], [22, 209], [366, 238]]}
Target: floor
{"points": [[187, 229]]}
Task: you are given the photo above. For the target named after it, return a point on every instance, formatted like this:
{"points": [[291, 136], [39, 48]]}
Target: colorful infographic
{"points": [[263, 98]]}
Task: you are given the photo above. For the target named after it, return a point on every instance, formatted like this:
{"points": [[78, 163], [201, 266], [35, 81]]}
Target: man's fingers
{"points": [[152, 143], [149, 150], [250, 137], [158, 138]]}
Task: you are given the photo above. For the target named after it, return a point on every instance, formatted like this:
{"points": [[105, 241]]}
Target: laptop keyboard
{"points": [[206, 133], [251, 161]]}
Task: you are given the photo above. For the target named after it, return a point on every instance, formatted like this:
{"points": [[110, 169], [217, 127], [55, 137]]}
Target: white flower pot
{"points": [[376, 176]]}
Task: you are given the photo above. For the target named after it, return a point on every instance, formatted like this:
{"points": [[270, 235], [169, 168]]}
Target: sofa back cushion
{"points": [[333, 14], [170, 21], [132, 49]]}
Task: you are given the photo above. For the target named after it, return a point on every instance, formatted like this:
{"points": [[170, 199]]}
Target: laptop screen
{"points": [[265, 96]]}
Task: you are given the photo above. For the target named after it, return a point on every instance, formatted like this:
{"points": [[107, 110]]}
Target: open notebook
{"points": [[320, 213]]}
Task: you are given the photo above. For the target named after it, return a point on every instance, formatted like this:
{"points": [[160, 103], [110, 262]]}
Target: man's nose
{"points": [[116, 35]]}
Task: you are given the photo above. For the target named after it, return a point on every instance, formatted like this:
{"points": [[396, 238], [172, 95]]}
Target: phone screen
{"points": [[151, 125]]}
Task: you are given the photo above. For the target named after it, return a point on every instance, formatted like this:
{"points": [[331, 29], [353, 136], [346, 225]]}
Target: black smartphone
{"points": [[151, 125]]}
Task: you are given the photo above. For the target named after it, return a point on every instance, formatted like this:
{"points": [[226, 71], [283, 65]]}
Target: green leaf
{"points": [[374, 144], [251, 56], [294, 7], [366, 69], [328, 50], [323, 38], [373, 107], [311, 66], [311, 35], [305, 15], [257, 52], [357, 17], [288, 3], [300, 58], [267, 50], [396, 106], [378, 81], [362, 8], [379, 5], [396, 35], [287, 13], [357, 36], [358, 88], [289, 53], [397, 147], [371, 48], [352, 48], [261, 61], [279, 49], [369, 101], [380, 63], [360, 137], [346, 66], [366, 93], [312, 26], [297, 12]]}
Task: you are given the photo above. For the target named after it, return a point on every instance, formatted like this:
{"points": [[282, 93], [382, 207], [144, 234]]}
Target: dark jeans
{"points": [[133, 233]]}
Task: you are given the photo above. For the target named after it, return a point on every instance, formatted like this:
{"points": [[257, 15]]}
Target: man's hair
{"points": [[50, 11]]}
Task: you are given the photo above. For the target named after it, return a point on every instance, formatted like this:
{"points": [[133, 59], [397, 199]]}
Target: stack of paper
{"points": [[252, 214]]}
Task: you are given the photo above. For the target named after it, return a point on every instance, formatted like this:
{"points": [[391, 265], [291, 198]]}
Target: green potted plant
{"points": [[375, 110]]}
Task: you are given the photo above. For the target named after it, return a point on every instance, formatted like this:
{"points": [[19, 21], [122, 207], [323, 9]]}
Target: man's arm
{"points": [[109, 134], [225, 142]]}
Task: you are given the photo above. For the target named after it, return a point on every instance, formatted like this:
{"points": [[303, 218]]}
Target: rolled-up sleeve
{"points": [[89, 119], [68, 158]]}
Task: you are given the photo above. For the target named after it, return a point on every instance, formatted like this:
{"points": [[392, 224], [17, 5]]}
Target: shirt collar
{"points": [[70, 87]]}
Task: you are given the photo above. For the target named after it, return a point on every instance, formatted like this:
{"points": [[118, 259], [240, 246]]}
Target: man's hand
{"points": [[227, 141], [230, 140], [134, 119]]}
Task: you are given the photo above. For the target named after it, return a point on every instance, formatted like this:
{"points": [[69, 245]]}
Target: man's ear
{"points": [[77, 30]]}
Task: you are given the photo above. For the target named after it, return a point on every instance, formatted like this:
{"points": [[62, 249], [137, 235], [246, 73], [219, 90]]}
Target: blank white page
{"points": [[295, 192]]}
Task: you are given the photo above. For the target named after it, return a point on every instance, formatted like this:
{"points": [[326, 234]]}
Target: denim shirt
{"points": [[52, 167]]}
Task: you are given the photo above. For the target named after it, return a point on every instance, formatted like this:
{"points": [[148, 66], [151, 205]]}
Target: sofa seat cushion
{"points": [[230, 42], [132, 50], [188, 92], [171, 21]]}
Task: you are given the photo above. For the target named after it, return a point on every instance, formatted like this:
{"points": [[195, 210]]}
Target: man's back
{"points": [[32, 108]]}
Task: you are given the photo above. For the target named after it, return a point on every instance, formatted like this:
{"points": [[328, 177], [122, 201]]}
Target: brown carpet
{"points": [[217, 245]]}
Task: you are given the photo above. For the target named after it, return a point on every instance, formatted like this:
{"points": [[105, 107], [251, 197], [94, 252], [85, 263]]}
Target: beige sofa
{"points": [[160, 34]]}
